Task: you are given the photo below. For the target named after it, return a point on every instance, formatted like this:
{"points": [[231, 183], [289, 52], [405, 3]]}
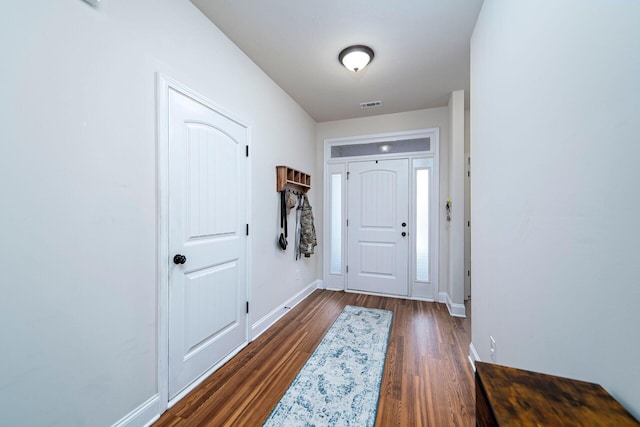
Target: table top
{"points": [[524, 398]]}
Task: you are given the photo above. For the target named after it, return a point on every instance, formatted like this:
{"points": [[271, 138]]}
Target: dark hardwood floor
{"points": [[427, 379]]}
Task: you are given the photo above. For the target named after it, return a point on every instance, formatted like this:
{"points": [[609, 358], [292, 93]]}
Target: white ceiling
{"points": [[421, 49]]}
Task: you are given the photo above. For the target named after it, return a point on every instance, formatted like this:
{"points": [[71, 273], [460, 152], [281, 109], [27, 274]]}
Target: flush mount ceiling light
{"points": [[355, 58]]}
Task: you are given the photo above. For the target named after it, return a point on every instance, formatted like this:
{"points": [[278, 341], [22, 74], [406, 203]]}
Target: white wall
{"points": [[420, 119], [78, 181], [555, 109], [455, 286]]}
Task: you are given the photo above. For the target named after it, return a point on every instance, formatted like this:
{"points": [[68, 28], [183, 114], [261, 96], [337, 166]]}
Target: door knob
{"points": [[404, 234], [404, 224], [179, 259]]}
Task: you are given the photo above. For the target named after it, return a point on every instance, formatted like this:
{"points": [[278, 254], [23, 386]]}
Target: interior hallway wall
{"points": [[79, 293], [555, 102]]}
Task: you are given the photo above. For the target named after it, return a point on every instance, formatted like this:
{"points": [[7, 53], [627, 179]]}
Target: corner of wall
{"points": [[455, 309]]}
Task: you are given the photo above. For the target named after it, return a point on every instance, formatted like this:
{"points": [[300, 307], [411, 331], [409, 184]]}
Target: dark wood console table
{"points": [[513, 397]]}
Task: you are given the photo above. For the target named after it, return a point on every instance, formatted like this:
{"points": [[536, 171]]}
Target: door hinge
{"points": [[247, 229], [247, 307], [247, 150], [348, 175], [347, 268], [347, 223], [468, 223], [468, 273]]}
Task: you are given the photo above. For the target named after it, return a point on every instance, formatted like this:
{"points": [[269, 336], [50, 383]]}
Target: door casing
{"points": [[335, 281]]}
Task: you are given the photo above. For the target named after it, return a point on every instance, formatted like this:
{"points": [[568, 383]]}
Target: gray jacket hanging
{"points": [[307, 230]]}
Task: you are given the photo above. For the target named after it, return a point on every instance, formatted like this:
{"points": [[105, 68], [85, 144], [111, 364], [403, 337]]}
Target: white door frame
{"points": [[467, 227], [331, 165], [163, 84]]}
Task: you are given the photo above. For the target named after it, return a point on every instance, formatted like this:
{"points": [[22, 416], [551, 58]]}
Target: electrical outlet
{"points": [[492, 348]]}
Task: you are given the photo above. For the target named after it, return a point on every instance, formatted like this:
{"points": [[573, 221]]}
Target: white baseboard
{"points": [[276, 314], [473, 356], [455, 310], [425, 299], [144, 415]]}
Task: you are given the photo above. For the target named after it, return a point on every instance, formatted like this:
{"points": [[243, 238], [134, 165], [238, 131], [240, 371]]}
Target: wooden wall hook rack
{"points": [[287, 177]]}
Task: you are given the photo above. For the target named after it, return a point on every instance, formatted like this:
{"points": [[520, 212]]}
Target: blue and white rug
{"points": [[340, 383]]}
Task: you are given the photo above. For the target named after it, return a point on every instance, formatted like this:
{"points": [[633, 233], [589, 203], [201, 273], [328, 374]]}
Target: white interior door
{"points": [[207, 220], [378, 214]]}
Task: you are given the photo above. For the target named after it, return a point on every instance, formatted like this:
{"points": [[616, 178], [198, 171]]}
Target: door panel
{"points": [[207, 217], [378, 205], [210, 303], [378, 259], [209, 181]]}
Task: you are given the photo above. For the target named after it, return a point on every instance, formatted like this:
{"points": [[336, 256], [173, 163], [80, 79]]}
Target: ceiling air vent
{"points": [[370, 104]]}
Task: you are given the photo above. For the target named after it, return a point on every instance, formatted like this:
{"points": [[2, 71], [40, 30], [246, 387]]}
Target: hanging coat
{"points": [[307, 229]]}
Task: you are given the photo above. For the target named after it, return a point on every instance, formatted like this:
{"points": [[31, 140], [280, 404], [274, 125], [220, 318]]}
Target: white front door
{"points": [[207, 239], [378, 206]]}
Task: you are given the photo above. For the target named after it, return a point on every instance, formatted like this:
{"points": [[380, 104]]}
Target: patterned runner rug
{"points": [[340, 383]]}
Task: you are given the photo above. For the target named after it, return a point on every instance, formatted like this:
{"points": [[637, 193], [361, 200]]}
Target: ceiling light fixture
{"points": [[355, 58]]}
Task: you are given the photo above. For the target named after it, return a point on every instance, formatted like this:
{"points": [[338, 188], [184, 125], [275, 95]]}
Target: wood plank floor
{"points": [[427, 379]]}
